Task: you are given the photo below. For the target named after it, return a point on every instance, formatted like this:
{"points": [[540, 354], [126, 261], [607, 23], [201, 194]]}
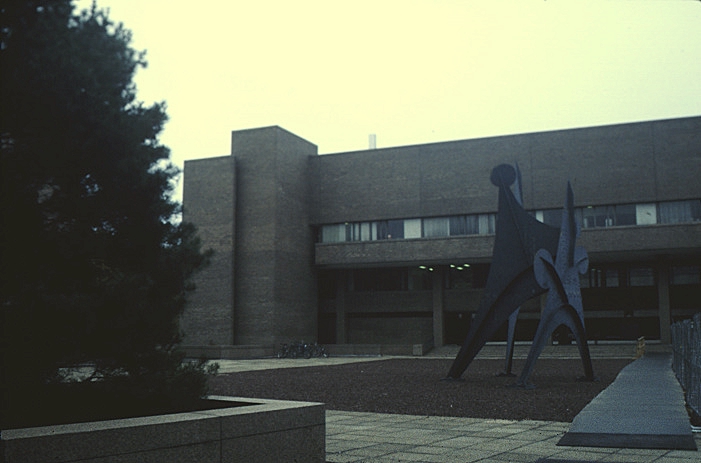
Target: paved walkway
{"points": [[378, 438], [643, 408], [375, 438]]}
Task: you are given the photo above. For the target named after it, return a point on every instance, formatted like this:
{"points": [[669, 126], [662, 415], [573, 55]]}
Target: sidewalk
{"points": [[643, 408], [378, 438]]}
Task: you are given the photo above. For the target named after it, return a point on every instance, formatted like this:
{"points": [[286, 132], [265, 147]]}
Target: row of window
{"points": [[669, 212], [620, 276], [465, 276], [458, 225]]}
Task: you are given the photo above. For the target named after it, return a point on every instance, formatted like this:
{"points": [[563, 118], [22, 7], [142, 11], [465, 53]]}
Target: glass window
{"points": [[365, 231], [487, 224], [589, 217], [625, 214], [611, 278], [412, 228], [595, 278], [680, 211], [333, 233], [686, 275], [390, 229], [641, 276], [359, 231], [607, 216], [396, 229], [438, 226], [464, 225], [646, 214], [598, 216]]}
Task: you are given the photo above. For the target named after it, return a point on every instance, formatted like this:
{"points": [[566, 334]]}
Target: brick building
{"points": [[392, 246]]}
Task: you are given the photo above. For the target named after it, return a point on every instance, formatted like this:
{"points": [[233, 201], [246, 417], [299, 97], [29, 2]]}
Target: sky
{"points": [[409, 71]]}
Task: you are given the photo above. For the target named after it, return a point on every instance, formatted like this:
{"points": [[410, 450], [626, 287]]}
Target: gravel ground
{"points": [[413, 386]]}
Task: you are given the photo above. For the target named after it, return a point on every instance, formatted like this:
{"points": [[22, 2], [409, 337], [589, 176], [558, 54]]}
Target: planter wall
{"points": [[259, 431]]}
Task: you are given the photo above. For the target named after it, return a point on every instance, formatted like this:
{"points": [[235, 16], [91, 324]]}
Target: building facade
{"points": [[392, 246]]}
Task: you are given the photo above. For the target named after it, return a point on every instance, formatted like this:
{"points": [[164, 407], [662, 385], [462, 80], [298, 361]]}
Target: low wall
{"points": [[256, 430]]}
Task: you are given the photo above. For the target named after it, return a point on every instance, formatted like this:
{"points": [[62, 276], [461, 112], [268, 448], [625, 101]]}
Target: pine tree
{"points": [[95, 267]]}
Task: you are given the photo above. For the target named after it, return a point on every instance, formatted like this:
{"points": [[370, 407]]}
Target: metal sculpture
{"points": [[523, 267], [563, 306], [511, 279], [511, 324]]}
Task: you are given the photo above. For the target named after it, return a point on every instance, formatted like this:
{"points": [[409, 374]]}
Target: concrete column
{"points": [[664, 310], [341, 285], [437, 289]]}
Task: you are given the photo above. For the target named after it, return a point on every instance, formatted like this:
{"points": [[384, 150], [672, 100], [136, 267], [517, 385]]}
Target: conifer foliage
{"points": [[94, 267]]}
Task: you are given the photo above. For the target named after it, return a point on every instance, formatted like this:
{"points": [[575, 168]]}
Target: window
{"points": [[646, 214], [598, 216], [680, 211], [626, 214], [593, 278], [396, 229], [333, 233], [611, 277], [412, 228], [390, 229], [487, 224], [359, 231], [686, 275], [439, 226], [641, 276], [464, 225], [603, 277], [607, 216], [670, 212]]}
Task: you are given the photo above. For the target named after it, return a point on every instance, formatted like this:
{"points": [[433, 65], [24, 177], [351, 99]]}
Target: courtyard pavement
{"points": [[374, 437]]}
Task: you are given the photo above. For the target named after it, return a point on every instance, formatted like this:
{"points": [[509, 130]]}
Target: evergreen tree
{"points": [[94, 267]]}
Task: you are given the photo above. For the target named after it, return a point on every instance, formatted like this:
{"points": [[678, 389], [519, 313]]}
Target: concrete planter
{"points": [[254, 430]]}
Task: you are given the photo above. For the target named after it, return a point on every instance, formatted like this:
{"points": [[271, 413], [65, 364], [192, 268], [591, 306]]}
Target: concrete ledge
{"points": [[255, 430]]}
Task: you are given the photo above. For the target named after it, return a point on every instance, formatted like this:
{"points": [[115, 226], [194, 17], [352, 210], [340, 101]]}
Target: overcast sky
{"points": [[409, 71]]}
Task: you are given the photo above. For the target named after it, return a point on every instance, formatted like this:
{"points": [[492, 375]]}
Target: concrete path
{"points": [[643, 408], [354, 437]]}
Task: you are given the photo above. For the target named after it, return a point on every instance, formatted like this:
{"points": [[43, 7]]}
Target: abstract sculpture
{"points": [[522, 268], [511, 324], [563, 306]]}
